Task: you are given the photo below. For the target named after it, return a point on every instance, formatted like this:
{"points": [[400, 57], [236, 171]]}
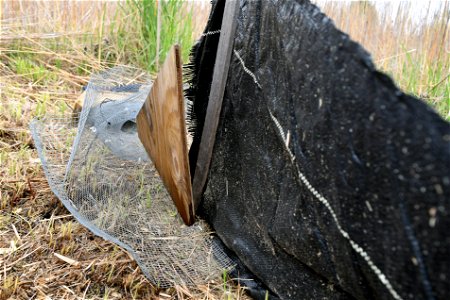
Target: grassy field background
{"points": [[48, 49], [408, 41]]}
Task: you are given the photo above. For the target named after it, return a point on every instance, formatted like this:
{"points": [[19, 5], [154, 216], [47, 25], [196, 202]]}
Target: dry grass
{"points": [[411, 42], [48, 49]]}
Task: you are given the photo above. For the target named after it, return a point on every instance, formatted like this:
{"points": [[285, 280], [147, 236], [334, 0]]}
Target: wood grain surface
{"points": [[162, 131]]}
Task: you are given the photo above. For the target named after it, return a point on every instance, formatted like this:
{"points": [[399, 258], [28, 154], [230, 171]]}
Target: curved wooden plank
{"points": [[162, 131]]}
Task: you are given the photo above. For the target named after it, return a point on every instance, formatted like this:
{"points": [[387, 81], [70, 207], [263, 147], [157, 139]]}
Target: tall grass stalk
{"points": [[137, 37]]}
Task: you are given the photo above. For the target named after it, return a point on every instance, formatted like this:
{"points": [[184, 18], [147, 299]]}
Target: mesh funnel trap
{"points": [[101, 172]]}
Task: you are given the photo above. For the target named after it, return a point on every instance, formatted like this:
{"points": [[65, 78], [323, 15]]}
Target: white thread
{"points": [[358, 249], [246, 69], [211, 32], [226, 186], [280, 129], [284, 137], [288, 138], [369, 207]]}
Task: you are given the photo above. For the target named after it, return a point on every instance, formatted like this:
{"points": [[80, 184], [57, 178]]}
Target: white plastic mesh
{"points": [[100, 171]]}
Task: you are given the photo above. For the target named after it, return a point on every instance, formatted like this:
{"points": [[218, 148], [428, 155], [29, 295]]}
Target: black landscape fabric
{"points": [[326, 180]]}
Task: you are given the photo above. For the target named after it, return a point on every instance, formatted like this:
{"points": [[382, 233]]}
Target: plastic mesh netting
{"points": [[100, 171]]}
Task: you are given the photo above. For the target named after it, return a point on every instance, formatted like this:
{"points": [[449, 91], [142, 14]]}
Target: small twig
{"points": [[394, 56], [32, 190], [23, 257], [439, 83], [68, 260], [23, 180], [56, 218], [85, 291], [69, 290], [16, 233]]}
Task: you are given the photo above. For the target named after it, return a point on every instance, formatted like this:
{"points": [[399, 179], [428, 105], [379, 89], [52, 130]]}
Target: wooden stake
{"points": [[220, 75]]}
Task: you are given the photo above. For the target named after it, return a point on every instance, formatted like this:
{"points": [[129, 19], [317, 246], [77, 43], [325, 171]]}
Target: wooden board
{"points": [[220, 74], [162, 131]]}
